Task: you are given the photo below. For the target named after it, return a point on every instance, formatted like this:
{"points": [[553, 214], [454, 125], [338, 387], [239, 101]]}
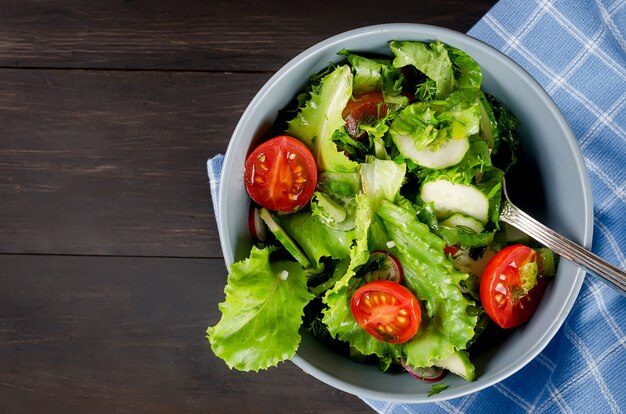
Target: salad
{"points": [[374, 212]]}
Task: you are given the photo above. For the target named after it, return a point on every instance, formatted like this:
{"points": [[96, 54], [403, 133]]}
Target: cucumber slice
{"points": [[431, 374], [447, 154], [459, 363], [450, 198], [282, 236], [464, 222]]}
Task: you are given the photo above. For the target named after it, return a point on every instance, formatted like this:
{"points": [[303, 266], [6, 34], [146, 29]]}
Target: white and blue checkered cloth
{"points": [[577, 50]]}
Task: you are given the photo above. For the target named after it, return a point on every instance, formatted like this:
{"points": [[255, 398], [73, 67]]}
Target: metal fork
{"points": [[564, 247]]}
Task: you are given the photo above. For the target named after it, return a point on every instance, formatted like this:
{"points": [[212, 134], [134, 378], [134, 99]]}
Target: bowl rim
{"points": [[578, 277]]}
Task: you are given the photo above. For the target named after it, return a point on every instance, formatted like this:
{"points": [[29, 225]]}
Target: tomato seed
{"points": [[401, 319]]}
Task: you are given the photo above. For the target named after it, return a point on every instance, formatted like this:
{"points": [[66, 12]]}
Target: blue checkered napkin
{"points": [[577, 50], [214, 168]]}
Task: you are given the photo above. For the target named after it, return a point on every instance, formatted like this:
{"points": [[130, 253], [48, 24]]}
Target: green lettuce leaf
{"points": [[432, 60], [392, 86], [431, 124], [470, 75], [381, 179], [419, 122], [316, 239], [367, 72], [262, 313], [317, 121], [372, 75], [447, 325]]}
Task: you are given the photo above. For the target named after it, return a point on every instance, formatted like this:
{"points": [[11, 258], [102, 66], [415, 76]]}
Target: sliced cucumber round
{"points": [[461, 221], [450, 198], [445, 155], [459, 363], [425, 374]]}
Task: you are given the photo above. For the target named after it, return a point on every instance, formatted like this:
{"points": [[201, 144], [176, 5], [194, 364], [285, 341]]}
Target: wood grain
{"points": [[113, 163], [102, 335], [214, 35]]}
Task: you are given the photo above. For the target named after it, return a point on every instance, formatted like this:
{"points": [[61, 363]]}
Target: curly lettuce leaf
{"points": [[447, 325], [262, 313], [320, 117], [432, 60]]}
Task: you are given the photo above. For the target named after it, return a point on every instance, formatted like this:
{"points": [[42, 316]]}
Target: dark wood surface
{"points": [[110, 264]]}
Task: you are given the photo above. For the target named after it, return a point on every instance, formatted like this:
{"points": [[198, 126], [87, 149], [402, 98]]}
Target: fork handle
{"points": [[563, 246]]}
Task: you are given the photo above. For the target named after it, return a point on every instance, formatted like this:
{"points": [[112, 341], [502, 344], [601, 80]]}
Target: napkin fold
{"points": [[576, 50]]}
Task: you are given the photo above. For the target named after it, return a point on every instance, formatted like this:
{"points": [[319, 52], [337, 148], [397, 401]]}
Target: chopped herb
{"points": [[437, 388]]}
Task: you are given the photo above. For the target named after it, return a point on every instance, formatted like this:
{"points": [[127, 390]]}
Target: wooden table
{"points": [[110, 263]]}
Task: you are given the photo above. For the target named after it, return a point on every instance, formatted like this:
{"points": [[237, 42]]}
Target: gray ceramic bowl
{"points": [[550, 152]]}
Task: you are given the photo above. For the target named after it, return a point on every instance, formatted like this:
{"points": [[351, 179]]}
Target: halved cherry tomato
{"points": [[281, 174], [386, 310], [361, 108], [501, 290]]}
